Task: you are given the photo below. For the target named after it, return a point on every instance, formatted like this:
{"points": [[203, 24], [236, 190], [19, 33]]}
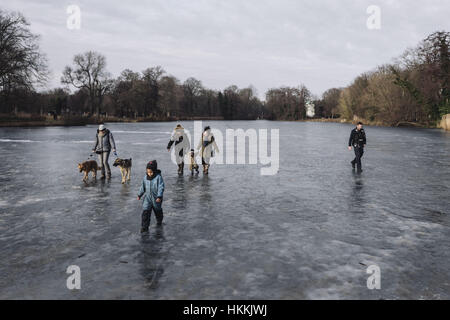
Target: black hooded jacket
{"points": [[357, 138]]}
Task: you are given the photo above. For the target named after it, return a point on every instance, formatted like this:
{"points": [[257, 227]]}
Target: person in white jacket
{"points": [[207, 146], [182, 146]]}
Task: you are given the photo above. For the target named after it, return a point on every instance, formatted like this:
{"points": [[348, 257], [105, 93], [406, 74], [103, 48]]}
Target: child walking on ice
{"points": [[152, 191]]}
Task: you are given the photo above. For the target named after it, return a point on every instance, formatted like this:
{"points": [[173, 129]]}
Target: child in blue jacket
{"points": [[152, 190]]}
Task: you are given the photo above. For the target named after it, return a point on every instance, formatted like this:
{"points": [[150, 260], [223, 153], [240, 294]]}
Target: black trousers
{"points": [[359, 152], [146, 214]]}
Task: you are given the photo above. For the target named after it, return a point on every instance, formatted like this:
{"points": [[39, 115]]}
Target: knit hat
{"points": [[101, 127], [153, 165]]}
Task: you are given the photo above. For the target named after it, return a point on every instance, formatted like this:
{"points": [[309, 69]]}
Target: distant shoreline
{"points": [[376, 123], [84, 122], [27, 122]]}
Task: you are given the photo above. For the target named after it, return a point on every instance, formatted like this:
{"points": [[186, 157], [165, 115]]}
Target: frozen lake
{"points": [[308, 232]]}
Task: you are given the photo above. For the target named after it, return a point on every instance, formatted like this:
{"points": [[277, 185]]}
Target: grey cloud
{"points": [[321, 43]]}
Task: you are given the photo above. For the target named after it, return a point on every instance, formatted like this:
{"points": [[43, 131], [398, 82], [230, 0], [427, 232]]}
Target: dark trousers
{"points": [[146, 217], [359, 152]]}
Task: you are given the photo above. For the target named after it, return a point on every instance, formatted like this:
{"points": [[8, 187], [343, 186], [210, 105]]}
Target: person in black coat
{"points": [[358, 142]]}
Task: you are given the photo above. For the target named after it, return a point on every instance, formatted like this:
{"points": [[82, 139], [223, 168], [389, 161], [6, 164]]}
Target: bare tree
{"points": [[331, 102], [89, 72], [22, 65], [288, 103], [191, 90], [151, 77], [425, 73]]}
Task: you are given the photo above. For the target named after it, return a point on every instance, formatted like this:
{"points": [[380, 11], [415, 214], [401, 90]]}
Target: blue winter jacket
{"points": [[152, 188]]}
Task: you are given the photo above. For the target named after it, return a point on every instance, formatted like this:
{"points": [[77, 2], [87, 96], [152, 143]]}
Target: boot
{"points": [[182, 167], [353, 164]]}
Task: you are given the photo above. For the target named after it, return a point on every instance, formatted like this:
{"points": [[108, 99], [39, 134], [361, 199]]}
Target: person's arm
{"points": [[170, 144], [200, 144], [187, 144], [96, 142], [113, 143], [364, 138], [160, 187], [350, 141], [141, 190], [207, 143], [213, 141]]}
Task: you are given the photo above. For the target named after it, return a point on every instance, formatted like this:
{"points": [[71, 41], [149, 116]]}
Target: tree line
{"points": [[414, 89]]}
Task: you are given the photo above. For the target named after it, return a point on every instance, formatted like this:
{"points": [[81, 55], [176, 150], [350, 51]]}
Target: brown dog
{"points": [[193, 164], [125, 168], [88, 166]]}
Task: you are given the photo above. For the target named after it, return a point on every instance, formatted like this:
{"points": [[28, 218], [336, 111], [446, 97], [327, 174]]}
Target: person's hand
{"points": [[139, 198], [350, 148], [158, 200], [168, 149], [114, 150]]}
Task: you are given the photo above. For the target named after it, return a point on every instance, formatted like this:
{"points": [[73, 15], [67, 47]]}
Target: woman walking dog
{"points": [[104, 143]]}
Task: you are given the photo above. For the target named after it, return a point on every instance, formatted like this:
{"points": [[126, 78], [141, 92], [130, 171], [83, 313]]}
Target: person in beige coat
{"points": [[180, 142], [207, 146]]}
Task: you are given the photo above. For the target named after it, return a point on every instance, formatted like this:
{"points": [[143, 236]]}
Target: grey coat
{"points": [[104, 143]]}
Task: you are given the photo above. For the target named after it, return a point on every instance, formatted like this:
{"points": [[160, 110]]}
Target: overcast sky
{"points": [[264, 43]]}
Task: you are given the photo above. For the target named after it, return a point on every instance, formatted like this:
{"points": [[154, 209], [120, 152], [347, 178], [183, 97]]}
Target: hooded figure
{"points": [[152, 192], [182, 146], [104, 143], [206, 145]]}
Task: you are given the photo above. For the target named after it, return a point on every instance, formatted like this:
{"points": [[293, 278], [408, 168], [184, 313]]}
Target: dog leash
{"points": [[90, 156]]}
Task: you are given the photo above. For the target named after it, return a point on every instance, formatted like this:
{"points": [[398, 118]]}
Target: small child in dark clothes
{"points": [[152, 190]]}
